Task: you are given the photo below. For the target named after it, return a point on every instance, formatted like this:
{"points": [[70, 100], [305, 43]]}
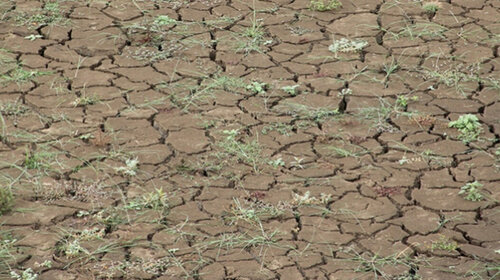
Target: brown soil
{"points": [[172, 139]]}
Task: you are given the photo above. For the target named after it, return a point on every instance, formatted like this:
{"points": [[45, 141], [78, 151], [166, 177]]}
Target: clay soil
{"points": [[218, 139]]}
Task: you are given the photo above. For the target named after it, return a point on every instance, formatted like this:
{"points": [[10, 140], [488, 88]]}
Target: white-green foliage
{"points": [[345, 45]]}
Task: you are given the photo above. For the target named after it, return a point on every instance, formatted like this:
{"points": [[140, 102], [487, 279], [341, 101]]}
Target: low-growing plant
{"points": [[281, 128], [276, 162], [292, 90], [248, 152], [6, 199], [156, 200], [40, 160], [20, 76], [305, 112], [472, 191], [27, 274], [130, 168], [469, 127], [13, 109], [376, 264], [6, 249], [50, 14], [257, 87], [345, 45], [444, 243], [431, 7], [402, 101], [345, 92], [308, 199], [324, 5], [252, 211], [85, 100]]}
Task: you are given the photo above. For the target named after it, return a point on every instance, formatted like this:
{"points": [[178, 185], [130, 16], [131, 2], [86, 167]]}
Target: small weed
{"points": [[33, 37], [205, 91], [13, 109], [246, 152], [402, 101], [469, 127], [419, 30], [38, 160], [305, 112], [324, 5], [243, 240], [431, 7], [72, 248], [85, 100], [163, 20], [378, 264], [345, 45], [281, 128], [156, 200], [252, 211], [6, 249], [276, 163], [252, 38], [292, 90], [472, 191], [343, 153], [109, 217], [444, 243], [257, 87], [380, 116], [130, 169], [50, 14], [6, 200], [27, 274], [308, 199], [345, 92], [455, 76], [20, 76]]}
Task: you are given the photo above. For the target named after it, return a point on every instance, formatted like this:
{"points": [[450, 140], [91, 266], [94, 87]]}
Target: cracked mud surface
{"points": [[224, 140]]}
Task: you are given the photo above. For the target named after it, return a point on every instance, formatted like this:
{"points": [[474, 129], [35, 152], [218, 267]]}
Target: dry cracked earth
{"points": [[226, 139]]}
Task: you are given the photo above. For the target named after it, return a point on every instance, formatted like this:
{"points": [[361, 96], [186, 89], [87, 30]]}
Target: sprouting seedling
{"points": [[345, 45], [345, 92], [472, 191], [292, 90], [277, 162], [469, 127], [324, 5], [257, 87], [163, 20], [131, 167]]}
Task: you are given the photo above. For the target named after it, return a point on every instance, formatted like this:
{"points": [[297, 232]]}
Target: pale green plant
{"points": [[130, 168], [6, 199], [292, 90], [276, 163], [431, 7], [27, 274], [472, 191], [156, 200], [308, 199], [444, 243], [257, 87], [345, 45], [85, 100], [248, 152], [50, 14], [469, 127], [324, 5]]}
